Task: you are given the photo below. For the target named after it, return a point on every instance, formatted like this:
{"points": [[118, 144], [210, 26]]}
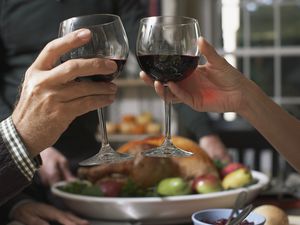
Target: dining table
{"points": [[283, 199]]}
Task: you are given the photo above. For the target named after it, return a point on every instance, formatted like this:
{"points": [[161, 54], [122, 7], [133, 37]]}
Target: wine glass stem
{"points": [[102, 125], [167, 115]]}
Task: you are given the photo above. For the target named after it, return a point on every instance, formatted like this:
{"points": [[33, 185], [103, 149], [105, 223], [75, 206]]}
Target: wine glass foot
{"points": [[106, 157], [167, 151]]}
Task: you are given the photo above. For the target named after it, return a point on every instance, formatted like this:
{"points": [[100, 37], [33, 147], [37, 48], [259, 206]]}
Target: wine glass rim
{"points": [[116, 17], [189, 19]]}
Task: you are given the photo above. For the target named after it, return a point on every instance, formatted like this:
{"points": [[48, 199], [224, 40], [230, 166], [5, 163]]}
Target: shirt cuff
{"points": [[17, 149]]}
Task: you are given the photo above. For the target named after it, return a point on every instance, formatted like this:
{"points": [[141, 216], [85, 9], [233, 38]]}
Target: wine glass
{"points": [[108, 41], [167, 50]]}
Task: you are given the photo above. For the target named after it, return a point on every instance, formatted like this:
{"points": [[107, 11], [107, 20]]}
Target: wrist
{"points": [[250, 95], [256, 106], [27, 137]]}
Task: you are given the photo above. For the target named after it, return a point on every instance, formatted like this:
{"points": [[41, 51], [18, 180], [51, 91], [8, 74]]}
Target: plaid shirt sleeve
{"points": [[17, 149]]}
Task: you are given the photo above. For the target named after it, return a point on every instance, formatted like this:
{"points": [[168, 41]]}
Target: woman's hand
{"points": [[34, 213], [215, 86], [51, 98], [55, 167]]}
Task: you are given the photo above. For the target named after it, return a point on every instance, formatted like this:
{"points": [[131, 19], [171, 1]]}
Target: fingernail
{"points": [[110, 64], [84, 34]]}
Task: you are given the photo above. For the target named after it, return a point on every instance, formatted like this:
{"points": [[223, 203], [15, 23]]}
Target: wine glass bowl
{"points": [[167, 50], [108, 41]]}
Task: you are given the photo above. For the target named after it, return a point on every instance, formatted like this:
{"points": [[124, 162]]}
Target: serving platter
{"points": [[153, 209]]}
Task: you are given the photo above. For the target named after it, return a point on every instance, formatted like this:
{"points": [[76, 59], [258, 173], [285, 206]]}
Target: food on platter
{"points": [[237, 178], [143, 123], [206, 183], [273, 214], [148, 171], [151, 176], [230, 167], [173, 186]]}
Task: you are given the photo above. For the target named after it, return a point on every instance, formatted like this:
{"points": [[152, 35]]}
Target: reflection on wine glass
{"points": [[109, 41], [167, 50]]}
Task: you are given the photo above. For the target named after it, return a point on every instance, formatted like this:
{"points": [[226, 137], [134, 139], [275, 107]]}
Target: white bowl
{"points": [[154, 208]]}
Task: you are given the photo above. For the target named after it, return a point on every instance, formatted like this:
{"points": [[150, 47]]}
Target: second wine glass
{"points": [[167, 50], [108, 41]]}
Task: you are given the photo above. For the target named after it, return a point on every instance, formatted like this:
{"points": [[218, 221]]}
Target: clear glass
{"points": [[109, 41], [167, 50]]}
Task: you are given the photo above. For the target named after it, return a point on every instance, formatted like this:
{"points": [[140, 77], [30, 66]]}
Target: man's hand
{"points": [[55, 167], [51, 98], [34, 213]]}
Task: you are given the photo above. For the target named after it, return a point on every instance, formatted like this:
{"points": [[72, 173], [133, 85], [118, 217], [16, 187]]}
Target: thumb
{"points": [[209, 52]]}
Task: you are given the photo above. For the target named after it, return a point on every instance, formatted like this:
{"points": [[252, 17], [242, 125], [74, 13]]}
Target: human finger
{"points": [[65, 170], [54, 176], [36, 221], [86, 104], [72, 69], [181, 94], [209, 52], [26, 215], [75, 89], [53, 214], [160, 90], [76, 219], [146, 79], [56, 48]]}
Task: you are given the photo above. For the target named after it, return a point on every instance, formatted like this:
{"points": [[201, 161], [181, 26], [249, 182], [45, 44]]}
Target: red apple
{"points": [[206, 183], [231, 167], [110, 188]]}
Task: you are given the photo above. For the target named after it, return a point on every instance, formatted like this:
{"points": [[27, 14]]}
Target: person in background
{"points": [[25, 28], [50, 100], [219, 87], [198, 126]]}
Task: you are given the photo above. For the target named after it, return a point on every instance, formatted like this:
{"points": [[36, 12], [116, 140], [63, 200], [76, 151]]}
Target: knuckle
{"points": [[71, 65], [51, 47], [50, 98], [29, 71], [97, 63], [36, 88]]}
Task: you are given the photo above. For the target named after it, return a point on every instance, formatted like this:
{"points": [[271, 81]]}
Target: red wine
{"points": [[105, 78], [166, 68], [109, 77]]}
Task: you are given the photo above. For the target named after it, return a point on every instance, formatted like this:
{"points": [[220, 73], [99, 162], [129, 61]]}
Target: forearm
{"points": [[280, 128]]}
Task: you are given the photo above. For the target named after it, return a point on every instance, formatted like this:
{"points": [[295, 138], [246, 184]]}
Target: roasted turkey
{"points": [[146, 171]]}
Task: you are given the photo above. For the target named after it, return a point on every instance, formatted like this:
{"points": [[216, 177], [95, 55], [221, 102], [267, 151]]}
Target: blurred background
{"points": [[261, 38]]}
